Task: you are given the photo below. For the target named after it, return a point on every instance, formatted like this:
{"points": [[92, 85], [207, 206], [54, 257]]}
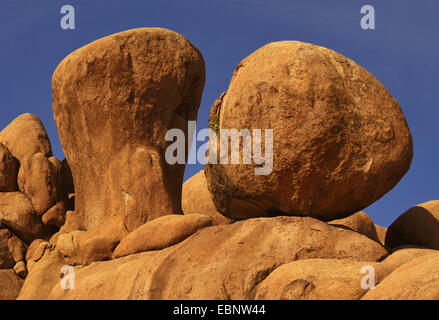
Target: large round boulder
{"points": [[340, 140], [114, 101]]}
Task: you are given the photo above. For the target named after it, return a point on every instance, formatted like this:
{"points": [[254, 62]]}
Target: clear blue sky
{"points": [[402, 52]]}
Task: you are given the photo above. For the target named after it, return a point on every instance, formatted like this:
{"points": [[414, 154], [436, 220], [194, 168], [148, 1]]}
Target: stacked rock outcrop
{"points": [[32, 182], [117, 212]]}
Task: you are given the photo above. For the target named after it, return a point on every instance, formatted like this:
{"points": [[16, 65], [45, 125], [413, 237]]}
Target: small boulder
{"points": [[196, 198], [39, 179], [418, 226], [20, 269], [56, 215], [33, 247], [17, 248], [26, 136], [359, 222], [98, 248], [161, 233]]}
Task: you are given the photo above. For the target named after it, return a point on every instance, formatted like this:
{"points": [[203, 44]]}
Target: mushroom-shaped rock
{"points": [[114, 101], [161, 233], [339, 139], [8, 170], [359, 222], [196, 198], [418, 226]]}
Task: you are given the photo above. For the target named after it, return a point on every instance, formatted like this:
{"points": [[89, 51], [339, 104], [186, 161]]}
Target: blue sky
{"points": [[402, 52]]}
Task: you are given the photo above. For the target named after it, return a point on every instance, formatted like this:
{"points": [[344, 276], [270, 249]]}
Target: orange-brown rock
{"points": [[6, 258], [10, 285], [318, 279], [33, 247], [81, 247], [381, 233], [8, 170], [418, 226], [359, 222], [114, 101], [414, 280], [40, 179], [56, 215], [406, 254], [332, 279], [43, 275], [196, 198], [17, 248], [218, 262], [162, 232], [18, 214], [340, 140], [26, 136]]}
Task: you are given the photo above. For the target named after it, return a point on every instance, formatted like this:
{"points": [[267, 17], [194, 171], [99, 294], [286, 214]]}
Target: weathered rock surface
{"points": [[114, 101], [318, 279], [406, 254], [56, 215], [415, 280], [381, 233], [8, 170], [26, 136], [6, 258], [331, 279], [17, 248], [418, 226], [33, 247], [161, 233], [359, 222], [218, 262], [43, 275], [18, 215], [340, 140], [10, 285], [40, 179], [196, 198]]}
